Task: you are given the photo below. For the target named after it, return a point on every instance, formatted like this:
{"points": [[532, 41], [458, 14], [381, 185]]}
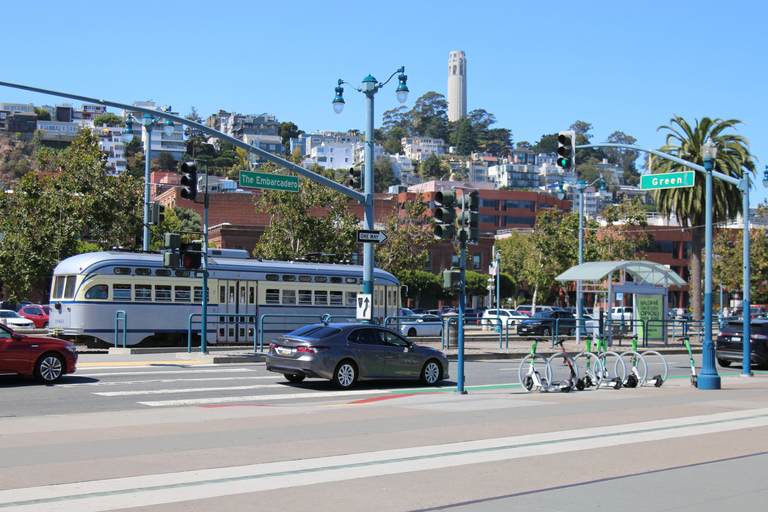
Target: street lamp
{"points": [[581, 186], [765, 177], [709, 379], [148, 122], [370, 87], [497, 257]]}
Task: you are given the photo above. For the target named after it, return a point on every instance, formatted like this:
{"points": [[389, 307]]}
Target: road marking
{"points": [[148, 364], [167, 381], [187, 390], [196, 371], [150, 490], [261, 398]]}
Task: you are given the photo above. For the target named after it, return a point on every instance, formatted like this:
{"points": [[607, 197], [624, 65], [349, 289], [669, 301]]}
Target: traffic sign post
{"points": [[667, 180], [280, 182]]}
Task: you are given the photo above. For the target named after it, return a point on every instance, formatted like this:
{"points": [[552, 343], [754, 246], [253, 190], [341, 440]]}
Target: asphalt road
{"points": [[167, 435]]}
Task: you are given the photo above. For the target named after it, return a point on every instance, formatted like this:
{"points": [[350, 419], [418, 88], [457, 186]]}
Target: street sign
{"points": [[251, 179], [364, 310], [370, 235], [667, 180]]}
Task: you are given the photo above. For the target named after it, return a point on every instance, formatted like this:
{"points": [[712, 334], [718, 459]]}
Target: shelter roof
{"points": [[643, 272]]}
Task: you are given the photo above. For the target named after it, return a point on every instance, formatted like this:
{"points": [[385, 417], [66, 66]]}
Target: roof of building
{"points": [[643, 272]]}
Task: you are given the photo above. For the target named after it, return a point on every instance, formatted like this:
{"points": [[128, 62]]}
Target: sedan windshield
{"points": [[543, 314]]}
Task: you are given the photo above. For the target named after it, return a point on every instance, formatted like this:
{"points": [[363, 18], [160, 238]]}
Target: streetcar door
{"points": [[229, 301]]}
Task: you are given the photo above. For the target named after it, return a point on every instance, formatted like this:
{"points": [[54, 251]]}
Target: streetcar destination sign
{"points": [[667, 180], [251, 179]]}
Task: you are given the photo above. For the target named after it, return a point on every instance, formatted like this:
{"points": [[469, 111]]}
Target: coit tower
{"points": [[457, 86]]}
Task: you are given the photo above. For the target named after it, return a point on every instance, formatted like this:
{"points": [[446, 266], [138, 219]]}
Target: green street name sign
{"points": [[269, 181], [667, 180]]}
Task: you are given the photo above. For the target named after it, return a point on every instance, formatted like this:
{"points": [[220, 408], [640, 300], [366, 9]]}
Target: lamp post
{"points": [[148, 122], [370, 87], [709, 379], [497, 257], [581, 186]]}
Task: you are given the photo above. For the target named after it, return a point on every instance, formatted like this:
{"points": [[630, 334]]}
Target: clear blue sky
{"points": [[629, 66]]}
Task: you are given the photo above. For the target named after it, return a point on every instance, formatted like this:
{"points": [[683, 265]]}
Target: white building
{"points": [[307, 141], [402, 167], [331, 156], [457, 86], [420, 148], [111, 143]]}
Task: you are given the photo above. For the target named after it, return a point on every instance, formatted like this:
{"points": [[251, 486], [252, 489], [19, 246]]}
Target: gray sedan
{"points": [[345, 353]]}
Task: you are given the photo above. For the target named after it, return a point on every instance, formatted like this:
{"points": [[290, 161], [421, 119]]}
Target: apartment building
{"points": [[420, 148]]}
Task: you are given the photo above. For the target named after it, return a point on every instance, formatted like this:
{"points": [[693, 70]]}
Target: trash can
{"points": [[451, 322]]}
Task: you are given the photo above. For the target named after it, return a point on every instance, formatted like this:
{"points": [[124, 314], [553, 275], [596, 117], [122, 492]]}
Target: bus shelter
{"points": [[647, 281]]}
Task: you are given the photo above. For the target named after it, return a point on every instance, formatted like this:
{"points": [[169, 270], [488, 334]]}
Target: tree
{"points": [[408, 236], [623, 237], [42, 114], [383, 175], [288, 131], [688, 204], [419, 283], [107, 119], [165, 162], [429, 116], [432, 169], [49, 214], [466, 141], [547, 144], [313, 220]]}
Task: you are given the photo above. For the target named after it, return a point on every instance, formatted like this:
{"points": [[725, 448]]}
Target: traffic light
{"points": [[445, 215], [566, 147], [156, 213], [191, 256], [171, 259], [451, 280], [469, 217], [189, 180], [354, 178]]}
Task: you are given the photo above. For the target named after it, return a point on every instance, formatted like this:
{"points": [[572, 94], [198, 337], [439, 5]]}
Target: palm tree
{"points": [[688, 204]]}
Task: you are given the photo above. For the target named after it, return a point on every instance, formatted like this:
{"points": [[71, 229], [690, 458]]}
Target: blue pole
{"points": [[709, 379], [747, 274], [146, 123], [369, 88], [462, 302]]}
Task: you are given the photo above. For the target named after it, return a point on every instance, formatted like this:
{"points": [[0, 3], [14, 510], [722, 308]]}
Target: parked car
{"points": [[37, 313], [586, 314], [472, 316], [47, 359], [621, 313], [345, 353], [729, 346], [528, 309], [14, 320], [505, 316], [543, 324], [422, 325]]}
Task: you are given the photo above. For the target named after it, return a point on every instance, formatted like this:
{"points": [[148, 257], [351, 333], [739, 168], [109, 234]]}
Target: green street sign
{"points": [[667, 180], [269, 181]]}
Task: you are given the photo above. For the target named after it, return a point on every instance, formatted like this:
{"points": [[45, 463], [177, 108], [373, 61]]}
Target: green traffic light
{"points": [[563, 162]]}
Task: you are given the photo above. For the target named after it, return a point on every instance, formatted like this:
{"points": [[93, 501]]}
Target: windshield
{"points": [[543, 314]]}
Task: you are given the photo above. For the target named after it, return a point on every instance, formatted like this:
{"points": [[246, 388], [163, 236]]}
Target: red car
{"points": [[47, 359], [37, 313]]}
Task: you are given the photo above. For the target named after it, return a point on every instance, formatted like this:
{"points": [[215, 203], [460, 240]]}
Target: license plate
{"points": [[283, 351], [735, 339]]}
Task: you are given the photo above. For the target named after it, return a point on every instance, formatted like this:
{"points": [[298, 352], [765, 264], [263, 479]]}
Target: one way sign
{"points": [[370, 235]]}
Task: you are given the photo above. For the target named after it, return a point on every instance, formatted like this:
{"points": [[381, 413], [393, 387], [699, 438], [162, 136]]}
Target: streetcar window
{"points": [[162, 272], [305, 297], [242, 294], [143, 272], [335, 279], [182, 273], [321, 298], [162, 293], [289, 278], [321, 279], [121, 291], [289, 296], [181, 294], [337, 299], [305, 279], [198, 291], [142, 292], [251, 294], [273, 277], [351, 297], [273, 297], [122, 270], [100, 291], [351, 280], [58, 287], [69, 287], [222, 295]]}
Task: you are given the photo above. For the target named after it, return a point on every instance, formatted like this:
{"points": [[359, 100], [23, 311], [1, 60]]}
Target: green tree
{"points": [[624, 235], [432, 168], [688, 204], [315, 219], [408, 236], [420, 285], [466, 141], [107, 119], [288, 131], [42, 114], [383, 175], [429, 116]]}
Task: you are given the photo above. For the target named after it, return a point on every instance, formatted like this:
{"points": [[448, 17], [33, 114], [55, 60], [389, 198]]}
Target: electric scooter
{"points": [[694, 378]]}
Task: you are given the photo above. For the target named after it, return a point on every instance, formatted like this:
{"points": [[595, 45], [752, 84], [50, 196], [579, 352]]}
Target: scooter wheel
{"points": [[657, 381], [565, 388], [580, 384], [588, 381], [617, 383], [631, 382], [695, 381], [528, 383]]}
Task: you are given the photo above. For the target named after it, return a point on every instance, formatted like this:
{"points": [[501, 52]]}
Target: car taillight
{"points": [[313, 350], [272, 345], [761, 337]]}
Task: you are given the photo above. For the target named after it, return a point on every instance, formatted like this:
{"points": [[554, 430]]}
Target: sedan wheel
{"points": [[546, 331], [49, 368], [345, 375], [431, 373]]}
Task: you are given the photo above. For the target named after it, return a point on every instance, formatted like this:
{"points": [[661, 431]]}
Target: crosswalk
{"points": [[179, 386]]}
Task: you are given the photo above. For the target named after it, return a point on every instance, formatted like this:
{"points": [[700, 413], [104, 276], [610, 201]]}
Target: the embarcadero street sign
{"points": [[269, 181], [667, 180]]}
